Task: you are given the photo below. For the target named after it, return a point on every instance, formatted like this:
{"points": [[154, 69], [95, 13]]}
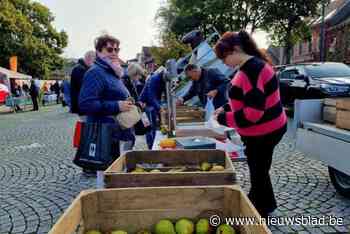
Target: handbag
{"points": [[143, 126], [97, 148], [128, 119], [77, 134]]}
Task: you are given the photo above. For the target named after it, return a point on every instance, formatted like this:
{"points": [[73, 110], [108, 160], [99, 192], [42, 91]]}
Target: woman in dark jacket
{"points": [[103, 94], [151, 96]]}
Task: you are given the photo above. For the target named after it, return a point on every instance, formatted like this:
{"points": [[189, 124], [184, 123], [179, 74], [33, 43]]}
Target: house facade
{"points": [[337, 38]]}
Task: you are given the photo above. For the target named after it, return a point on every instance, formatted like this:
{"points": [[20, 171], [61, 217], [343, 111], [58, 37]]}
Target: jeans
{"points": [[150, 136], [259, 151], [126, 146]]}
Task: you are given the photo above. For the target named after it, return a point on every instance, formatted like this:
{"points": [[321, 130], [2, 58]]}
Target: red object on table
{"points": [[3, 96]]}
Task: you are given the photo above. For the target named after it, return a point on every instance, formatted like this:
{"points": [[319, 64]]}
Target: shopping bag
{"points": [[77, 134], [97, 149], [143, 126], [128, 119], [209, 108]]}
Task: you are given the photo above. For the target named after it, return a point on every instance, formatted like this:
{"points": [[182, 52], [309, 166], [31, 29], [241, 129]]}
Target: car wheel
{"points": [[340, 181]]}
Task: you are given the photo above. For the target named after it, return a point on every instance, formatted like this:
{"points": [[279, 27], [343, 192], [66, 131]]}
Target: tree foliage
{"points": [[26, 31], [182, 16], [290, 21], [170, 47], [285, 21]]}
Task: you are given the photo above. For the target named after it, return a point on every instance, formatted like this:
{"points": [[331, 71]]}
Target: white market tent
{"points": [[6, 75], [14, 75]]}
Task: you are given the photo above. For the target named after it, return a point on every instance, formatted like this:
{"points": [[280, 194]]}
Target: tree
{"points": [[289, 22], [170, 47], [26, 31], [182, 16]]}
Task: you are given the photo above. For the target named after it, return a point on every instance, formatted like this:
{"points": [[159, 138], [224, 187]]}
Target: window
{"points": [[327, 70], [318, 44], [289, 74], [300, 48], [310, 46]]}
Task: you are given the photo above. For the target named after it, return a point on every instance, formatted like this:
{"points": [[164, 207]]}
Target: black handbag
{"points": [[140, 128], [97, 149]]}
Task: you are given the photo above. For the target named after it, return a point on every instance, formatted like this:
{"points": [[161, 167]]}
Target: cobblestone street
{"points": [[38, 180]]}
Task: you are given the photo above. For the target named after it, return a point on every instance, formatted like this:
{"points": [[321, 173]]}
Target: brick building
{"points": [[337, 38]]}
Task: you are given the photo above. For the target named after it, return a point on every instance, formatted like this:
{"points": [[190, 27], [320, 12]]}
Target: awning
{"points": [[14, 75]]}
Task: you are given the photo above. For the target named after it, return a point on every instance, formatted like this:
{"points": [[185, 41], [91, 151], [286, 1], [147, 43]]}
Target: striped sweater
{"points": [[255, 103]]}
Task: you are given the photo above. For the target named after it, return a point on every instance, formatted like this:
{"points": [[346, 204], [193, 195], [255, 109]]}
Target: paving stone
{"points": [[342, 229], [303, 232]]}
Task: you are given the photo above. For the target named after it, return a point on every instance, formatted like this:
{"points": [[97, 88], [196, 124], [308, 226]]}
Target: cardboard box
{"points": [[343, 119]]}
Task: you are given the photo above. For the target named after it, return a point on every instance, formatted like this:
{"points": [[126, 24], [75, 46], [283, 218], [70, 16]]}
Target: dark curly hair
{"points": [[102, 41]]}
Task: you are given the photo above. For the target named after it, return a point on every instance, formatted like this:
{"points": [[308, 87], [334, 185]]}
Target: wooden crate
{"points": [[190, 112], [186, 114], [133, 209], [343, 104], [330, 102], [116, 177], [330, 114], [343, 119], [203, 132]]}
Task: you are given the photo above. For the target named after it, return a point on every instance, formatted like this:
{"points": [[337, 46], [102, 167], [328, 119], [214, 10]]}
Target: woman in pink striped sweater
{"points": [[254, 110]]}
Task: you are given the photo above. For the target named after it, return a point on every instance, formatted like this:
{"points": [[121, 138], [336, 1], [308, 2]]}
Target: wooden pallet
{"points": [[133, 209]]}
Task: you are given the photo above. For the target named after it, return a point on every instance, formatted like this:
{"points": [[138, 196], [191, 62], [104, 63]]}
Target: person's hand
{"points": [[179, 102], [162, 110], [142, 104], [117, 67], [125, 105], [212, 93], [219, 111]]}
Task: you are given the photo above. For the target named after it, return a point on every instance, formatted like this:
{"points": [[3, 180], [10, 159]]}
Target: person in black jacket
{"points": [[55, 88], [206, 83], [77, 76], [134, 80], [34, 93]]}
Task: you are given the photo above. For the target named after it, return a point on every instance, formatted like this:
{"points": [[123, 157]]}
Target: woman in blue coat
{"points": [[103, 94], [151, 96]]}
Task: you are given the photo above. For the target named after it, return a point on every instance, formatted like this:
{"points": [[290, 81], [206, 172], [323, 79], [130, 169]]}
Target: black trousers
{"points": [[35, 102], [259, 151]]}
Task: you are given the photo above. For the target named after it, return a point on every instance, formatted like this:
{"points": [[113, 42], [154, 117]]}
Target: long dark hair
{"points": [[242, 39]]}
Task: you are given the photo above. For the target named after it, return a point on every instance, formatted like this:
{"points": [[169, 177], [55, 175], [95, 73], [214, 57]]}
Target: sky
{"points": [[131, 21]]}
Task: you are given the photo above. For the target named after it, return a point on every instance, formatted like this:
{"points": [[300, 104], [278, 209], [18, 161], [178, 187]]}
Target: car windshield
{"points": [[328, 70]]}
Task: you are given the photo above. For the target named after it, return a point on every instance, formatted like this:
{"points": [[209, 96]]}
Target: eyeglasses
{"points": [[112, 49]]}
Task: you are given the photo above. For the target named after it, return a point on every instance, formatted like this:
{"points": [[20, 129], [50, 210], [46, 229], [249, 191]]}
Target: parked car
{"points": [[313, 81]]}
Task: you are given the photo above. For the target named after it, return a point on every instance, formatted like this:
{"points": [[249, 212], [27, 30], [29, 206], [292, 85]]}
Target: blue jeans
{"points": [[150, 136]]}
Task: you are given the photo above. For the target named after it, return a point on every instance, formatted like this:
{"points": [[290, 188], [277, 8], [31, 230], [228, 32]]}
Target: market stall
{"points": [[4, 92], [9, 79], [188, 173]]}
